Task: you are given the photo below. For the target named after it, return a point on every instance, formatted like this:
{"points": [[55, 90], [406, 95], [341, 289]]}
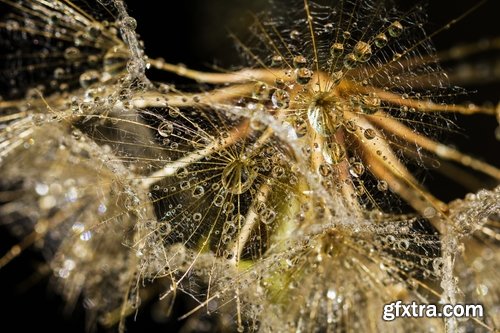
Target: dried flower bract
{"points": [[280, 197]]}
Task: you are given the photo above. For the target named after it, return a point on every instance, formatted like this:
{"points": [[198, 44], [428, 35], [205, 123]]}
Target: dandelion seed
{"points": [[269, 195]]}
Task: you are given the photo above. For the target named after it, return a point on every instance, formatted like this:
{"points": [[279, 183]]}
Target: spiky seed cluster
{"points": [[270, 197]]}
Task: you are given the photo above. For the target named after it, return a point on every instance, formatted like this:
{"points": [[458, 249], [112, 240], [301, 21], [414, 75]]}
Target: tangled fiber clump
{"points": [[280, 196]]}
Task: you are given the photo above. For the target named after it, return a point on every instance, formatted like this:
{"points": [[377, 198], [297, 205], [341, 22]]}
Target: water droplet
{"points": [[256, 107], [185, 185], [78, 228], [41, 189], [294, 34], [350, 126], [390, 239], [218, 200], [129, 23], [395, 29], [429, 212], [260, 91], [76, 134], [328, 27], [89, 78], [299, 61], [333, 153], [71, 53], [482, 290], [268, 216], [336, 49], [12, 25], [370, 104], [382, 185], [324, 170], [323, 117], [58, 73], [238, 220], [38, 119], [304, 75], [381, 40], [331, 294], [403, 244], [362, 51], [173, 112], [437, 266], [101, 209], [300, 126], [198, 191], [229, 208], [238, 177], [277, 61], [350, 61], [278, 171], [94, 30], [396, 57], [86, 236], [369, 133], [133, 66], [280, 83], [357, 169], [182, 173], [165, 129], [280, 99], [257, 125], [85, 108]]}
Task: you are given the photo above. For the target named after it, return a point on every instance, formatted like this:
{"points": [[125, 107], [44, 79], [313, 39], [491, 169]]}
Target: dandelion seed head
{"points": [[283, 195]]}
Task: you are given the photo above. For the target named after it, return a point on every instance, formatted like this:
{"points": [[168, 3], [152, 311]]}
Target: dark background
{"points": [[194, 32]]}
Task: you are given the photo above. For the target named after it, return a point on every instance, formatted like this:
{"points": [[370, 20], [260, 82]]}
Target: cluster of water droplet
{"points": [[255, 207]]}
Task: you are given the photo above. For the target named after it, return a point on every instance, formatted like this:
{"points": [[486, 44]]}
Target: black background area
{"points": [[195, 32]]}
